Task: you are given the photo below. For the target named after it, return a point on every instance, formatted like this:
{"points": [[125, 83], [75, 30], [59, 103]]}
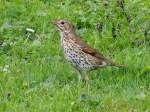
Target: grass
{"points": [[34, 76]]}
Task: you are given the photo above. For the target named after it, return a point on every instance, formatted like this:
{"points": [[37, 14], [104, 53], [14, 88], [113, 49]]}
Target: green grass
{"points": [[34, 77]]}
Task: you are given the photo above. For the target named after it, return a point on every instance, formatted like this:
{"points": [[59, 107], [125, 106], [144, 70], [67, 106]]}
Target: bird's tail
{"points": [[116, 65]]}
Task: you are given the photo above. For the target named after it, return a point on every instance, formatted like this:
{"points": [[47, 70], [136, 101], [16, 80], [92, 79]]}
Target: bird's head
{"points": [[63, 25]]}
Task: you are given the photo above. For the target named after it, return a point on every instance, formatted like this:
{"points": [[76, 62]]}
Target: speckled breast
{"points": [[74, 54]]}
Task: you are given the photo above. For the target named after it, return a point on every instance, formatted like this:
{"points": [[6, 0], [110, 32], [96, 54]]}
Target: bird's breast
{"points": [[74, 54]]}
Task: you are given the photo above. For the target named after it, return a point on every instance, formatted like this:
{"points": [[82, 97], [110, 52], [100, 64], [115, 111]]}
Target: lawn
{"points": [[35, 77]]}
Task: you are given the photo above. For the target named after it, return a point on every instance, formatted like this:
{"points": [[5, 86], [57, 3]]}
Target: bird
{"points": [[78, 53]]}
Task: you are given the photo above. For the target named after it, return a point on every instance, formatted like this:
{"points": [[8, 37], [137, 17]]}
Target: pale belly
{"points": [[78, 59]]}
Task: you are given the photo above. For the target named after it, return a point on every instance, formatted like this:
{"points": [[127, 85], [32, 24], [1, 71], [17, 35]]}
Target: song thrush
{"points": [[79, 53]]}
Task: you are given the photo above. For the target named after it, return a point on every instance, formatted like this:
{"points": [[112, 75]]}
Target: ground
{"points": [[34, 77]]}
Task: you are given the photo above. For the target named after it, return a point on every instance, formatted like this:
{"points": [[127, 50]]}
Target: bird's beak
{"points": [[53, 22]]}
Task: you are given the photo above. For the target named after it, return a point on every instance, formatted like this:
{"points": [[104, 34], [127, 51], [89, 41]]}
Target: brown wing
{"points": [[94, 52], [87, 49]]}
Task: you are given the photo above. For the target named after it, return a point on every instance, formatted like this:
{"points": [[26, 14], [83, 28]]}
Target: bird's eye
{"points": [[62, 23]]}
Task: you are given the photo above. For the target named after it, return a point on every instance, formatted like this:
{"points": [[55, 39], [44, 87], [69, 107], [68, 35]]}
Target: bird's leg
{"points": [[71, 71], [83, 76], [79, 76], [87, 81]]}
